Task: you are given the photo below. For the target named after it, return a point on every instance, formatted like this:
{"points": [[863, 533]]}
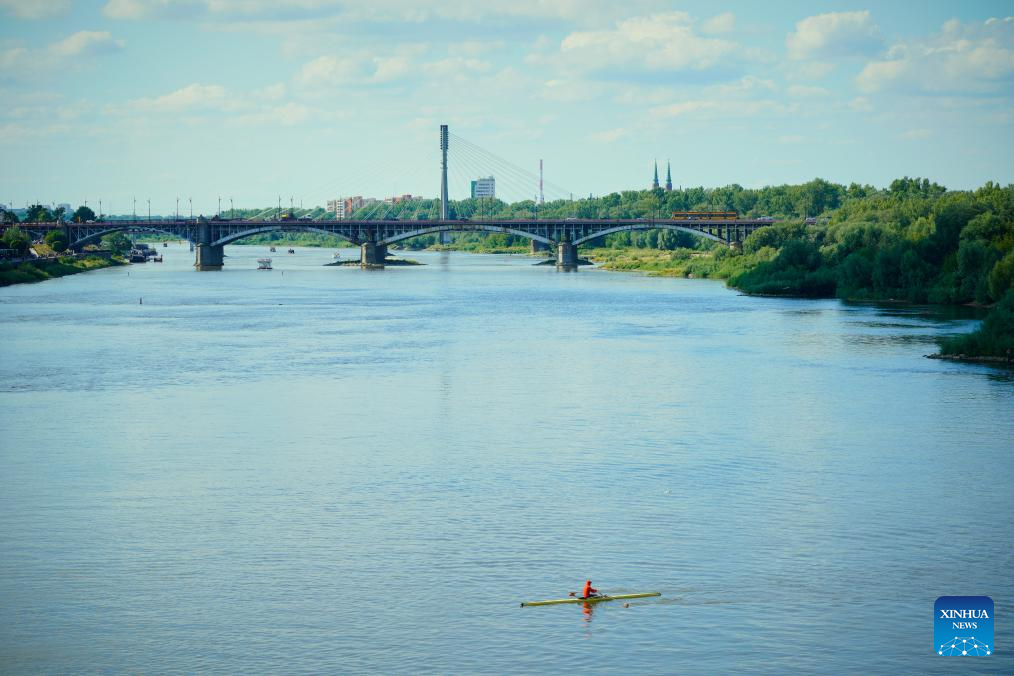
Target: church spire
{"points": [[668, 175], [654, 183]]}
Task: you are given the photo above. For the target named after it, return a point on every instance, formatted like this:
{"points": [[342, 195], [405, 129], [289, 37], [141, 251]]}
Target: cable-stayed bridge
{"points": [[375, 230]]}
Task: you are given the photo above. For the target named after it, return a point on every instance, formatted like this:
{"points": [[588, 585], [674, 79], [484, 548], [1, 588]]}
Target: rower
{"points": [[589, 591]]}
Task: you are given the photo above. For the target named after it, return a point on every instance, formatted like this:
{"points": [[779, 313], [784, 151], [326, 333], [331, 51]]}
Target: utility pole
{"points": [[278, 214], [191, 200], [135, 207], [149, 210], [219, 206], [177, 207], [100, 209], [232, 212]]}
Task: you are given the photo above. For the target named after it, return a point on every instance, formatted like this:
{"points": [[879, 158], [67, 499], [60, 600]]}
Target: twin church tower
{"points": [[668, 176]]}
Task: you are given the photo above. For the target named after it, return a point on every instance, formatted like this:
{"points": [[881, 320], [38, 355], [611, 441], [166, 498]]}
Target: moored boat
{"points": [[263, 263]]}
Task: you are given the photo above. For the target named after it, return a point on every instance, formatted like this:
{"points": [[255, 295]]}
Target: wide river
{"points": [[323, 469]]}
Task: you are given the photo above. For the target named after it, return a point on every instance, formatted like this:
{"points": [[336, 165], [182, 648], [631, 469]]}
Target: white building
{"points": [[336, 207], [484, 187]]}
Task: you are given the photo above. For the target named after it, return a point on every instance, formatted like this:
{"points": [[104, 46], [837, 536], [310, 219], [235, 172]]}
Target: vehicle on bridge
{"points": [[705, 215]]}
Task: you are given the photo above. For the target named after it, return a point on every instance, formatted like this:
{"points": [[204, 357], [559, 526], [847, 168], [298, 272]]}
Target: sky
{"points": [[252, 100]]}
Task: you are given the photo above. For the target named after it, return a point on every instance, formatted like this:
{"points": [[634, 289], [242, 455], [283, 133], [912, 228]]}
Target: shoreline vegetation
{"points": [[29, 272]]}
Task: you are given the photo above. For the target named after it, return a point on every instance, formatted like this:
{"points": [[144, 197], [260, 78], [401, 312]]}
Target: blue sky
{"points": [[253, 99]]}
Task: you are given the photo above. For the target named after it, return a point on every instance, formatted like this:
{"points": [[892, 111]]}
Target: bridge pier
{"points": [[538, 247], [209, 256], [372, 255], [566, 256]]}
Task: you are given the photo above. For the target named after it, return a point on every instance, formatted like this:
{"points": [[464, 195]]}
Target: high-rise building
{"points": [[336, 207], [484, 187]]}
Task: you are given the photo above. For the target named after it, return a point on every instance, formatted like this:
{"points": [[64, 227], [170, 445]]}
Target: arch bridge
{"points": [[563, 236]]}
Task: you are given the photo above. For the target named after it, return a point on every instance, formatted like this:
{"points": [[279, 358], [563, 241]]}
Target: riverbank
{"points": [[40, 270]]}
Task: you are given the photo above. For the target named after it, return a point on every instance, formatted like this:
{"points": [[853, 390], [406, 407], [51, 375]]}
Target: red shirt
{"points": [[589, 590]]}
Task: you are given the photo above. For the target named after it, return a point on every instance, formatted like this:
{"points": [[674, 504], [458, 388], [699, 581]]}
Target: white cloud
{"points": [[833, 35], [69, 52], [962, 58], [611, 135], [861, 104], [746, 86], [271, 92], [682, 108], [193, 97], [791, 138], [721, 23], [86, 42], [145, 9], [658, 42], [35, 9], [378, 11], [916, 134], [360, 70], [802, 91], [288, 115]]}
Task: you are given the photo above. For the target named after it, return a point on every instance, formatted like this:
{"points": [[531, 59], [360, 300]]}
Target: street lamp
{"points": [[191, 200], [149, 210], [232, 212], [177, 207]]}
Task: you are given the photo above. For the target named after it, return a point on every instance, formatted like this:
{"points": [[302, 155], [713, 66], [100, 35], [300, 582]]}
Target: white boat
{"points": [[263, 263], [336, 256]]}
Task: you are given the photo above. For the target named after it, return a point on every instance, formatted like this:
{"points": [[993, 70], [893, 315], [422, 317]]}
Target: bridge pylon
{"points": [[208, 256]]}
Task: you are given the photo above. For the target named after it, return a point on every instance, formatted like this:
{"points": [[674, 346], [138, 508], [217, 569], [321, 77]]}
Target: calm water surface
{"points": [[323, 469]]}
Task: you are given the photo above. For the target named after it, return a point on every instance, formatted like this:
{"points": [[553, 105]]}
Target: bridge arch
{"points": [[648, 225], [279, 227], [97, 235], [466, 227]]}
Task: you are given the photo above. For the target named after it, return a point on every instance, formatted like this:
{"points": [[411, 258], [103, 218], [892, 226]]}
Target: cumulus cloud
{"points": [[334, 70], [378, 11], [611, 135], [191, 98], [835, 34], [35, 9], [145, 9], [802, 91], [658, 42], [721, 23], [69, 51], [962, 58], [86, 42]]}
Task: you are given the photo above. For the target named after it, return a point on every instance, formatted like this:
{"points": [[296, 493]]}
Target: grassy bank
{"points": [[39, 271]]}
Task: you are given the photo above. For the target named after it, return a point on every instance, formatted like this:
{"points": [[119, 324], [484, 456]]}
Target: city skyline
{"points": [[318, 99]]}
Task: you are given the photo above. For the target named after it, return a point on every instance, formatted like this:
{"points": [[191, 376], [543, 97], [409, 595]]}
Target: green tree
{"points": [[117, 242], [83, 215], [38, 214], [8, 217], [57, 240], [15, 238]]}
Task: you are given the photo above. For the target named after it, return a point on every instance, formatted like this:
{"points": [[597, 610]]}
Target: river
{"points": [[323, 469]]}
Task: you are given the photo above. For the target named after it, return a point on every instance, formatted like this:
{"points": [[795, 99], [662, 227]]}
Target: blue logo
{"points": [[963, 626]]}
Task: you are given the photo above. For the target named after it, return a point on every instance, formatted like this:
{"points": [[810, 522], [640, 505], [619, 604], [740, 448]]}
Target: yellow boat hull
{"points": [[591, 599]]}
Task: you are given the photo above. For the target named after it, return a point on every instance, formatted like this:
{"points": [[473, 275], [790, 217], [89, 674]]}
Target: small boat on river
{"points": [[590, 599], [263, 263]]}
